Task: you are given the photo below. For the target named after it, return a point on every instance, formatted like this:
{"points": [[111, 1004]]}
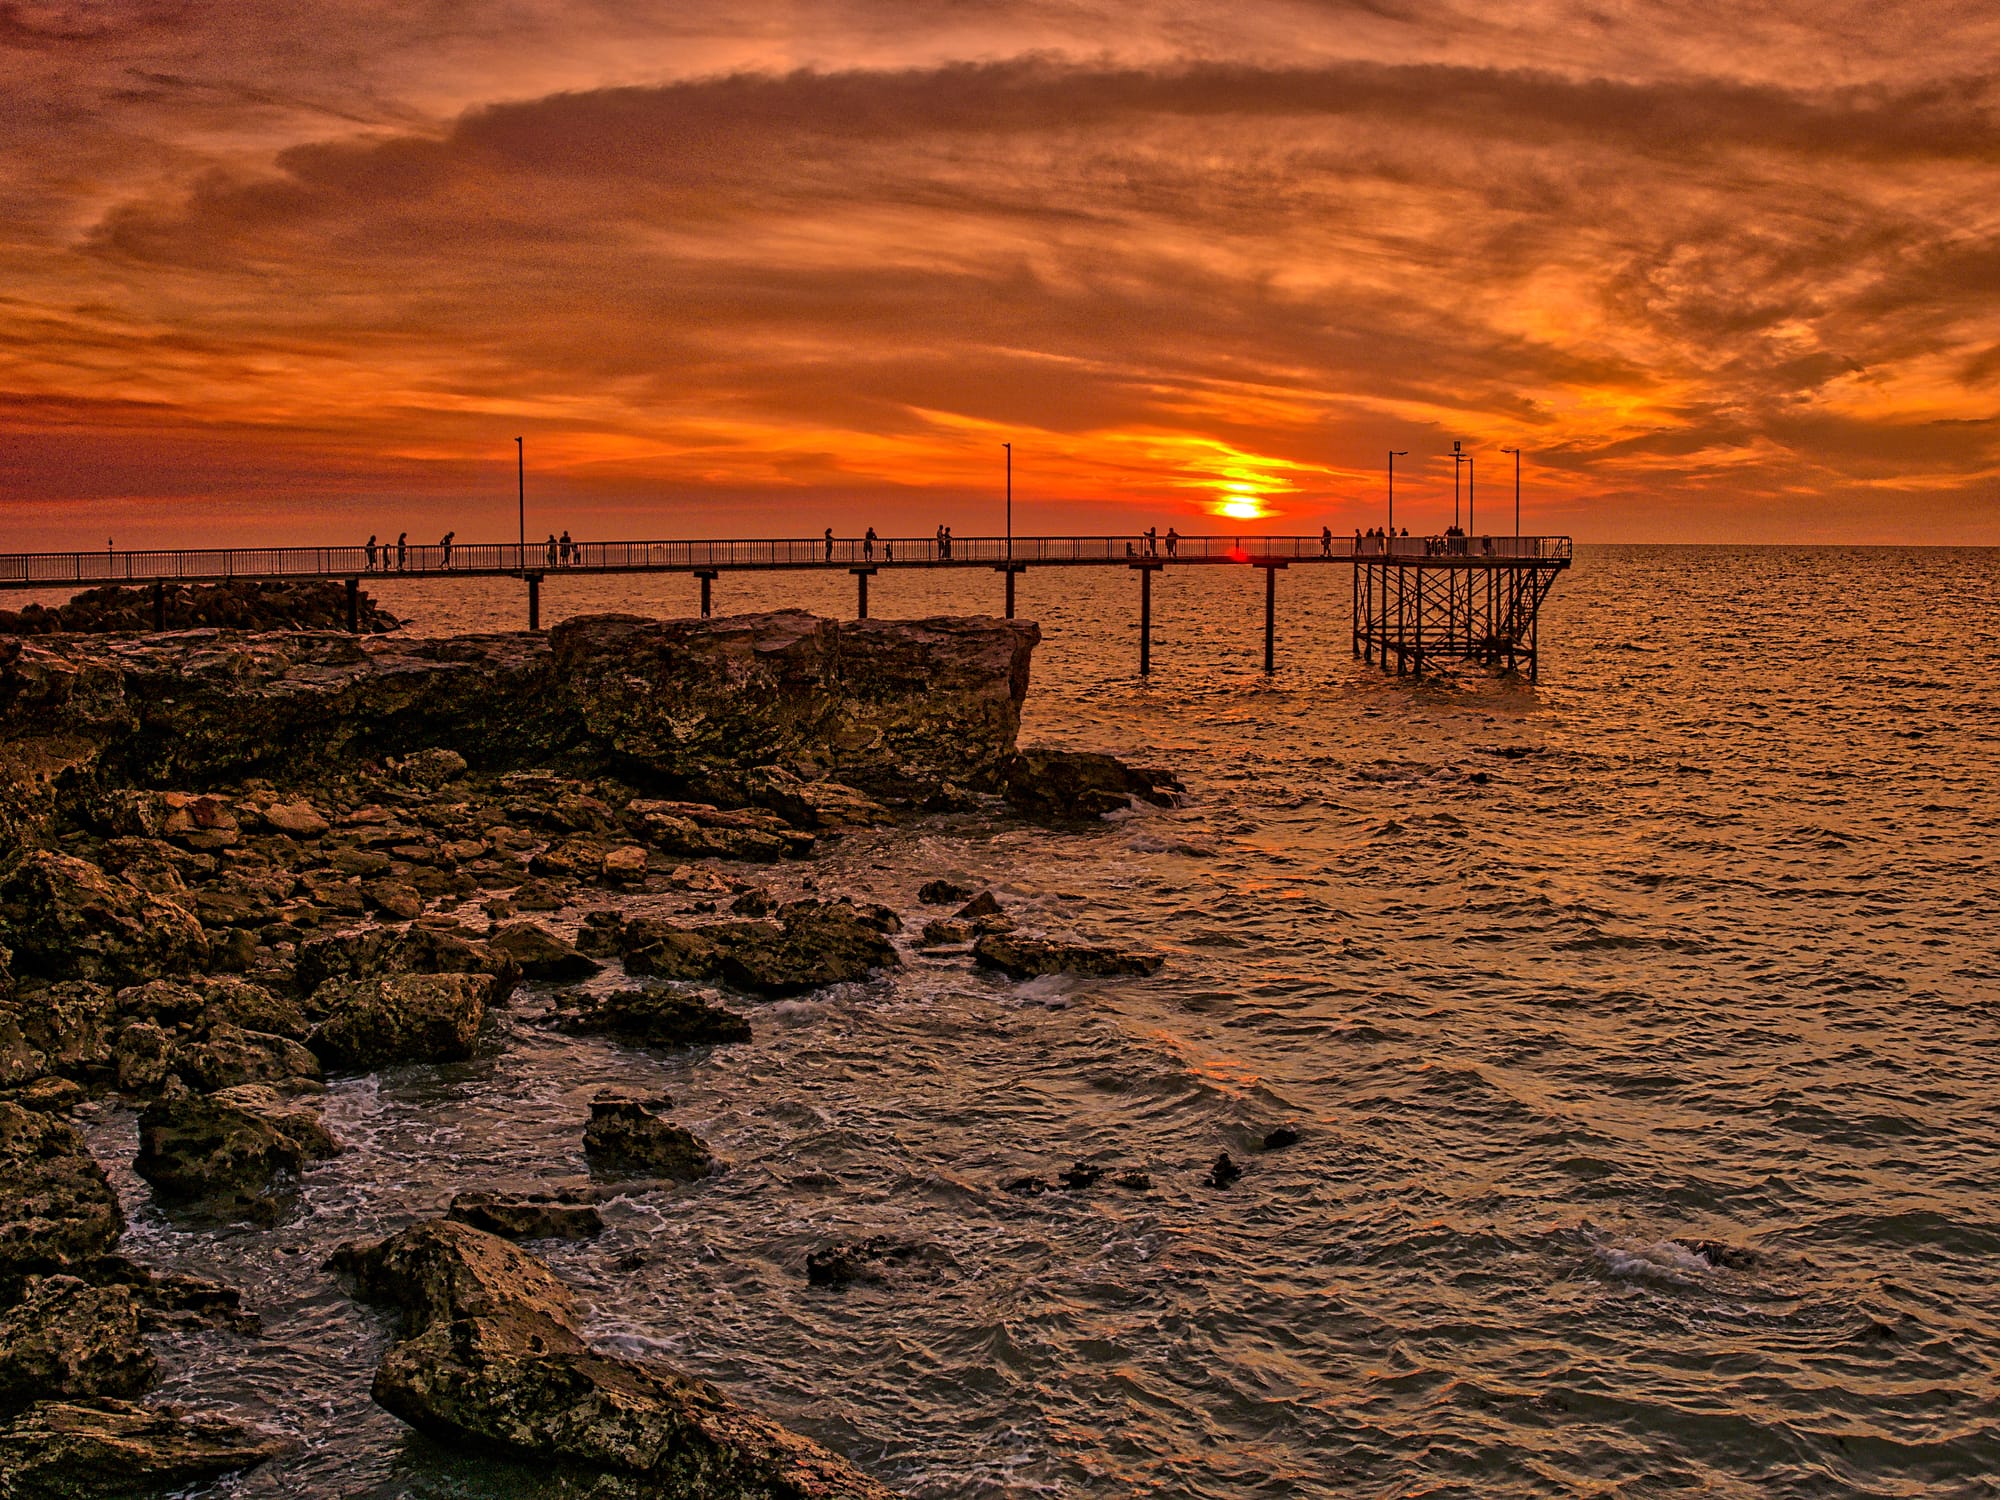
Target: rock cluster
{"points": [[296, 604], [491, 1356], [806, 945]]}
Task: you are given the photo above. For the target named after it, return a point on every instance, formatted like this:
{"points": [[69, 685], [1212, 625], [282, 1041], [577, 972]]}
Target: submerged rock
{"points": [[1077, 785], [399, 1018], [56, 1207], [65, 1338], [230, 1145], [628, 1137], [1023, 957], [652, 1018], [491, 1357], [1223, 1173], [527, 1216], [841, 1263], [78, 1450], [1278, 1137]]}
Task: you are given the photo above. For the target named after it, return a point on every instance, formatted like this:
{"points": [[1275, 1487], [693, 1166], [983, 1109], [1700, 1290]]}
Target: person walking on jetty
{"points": [[371, 551], [868, 545], [1326, 541], [1173, 542], [444, 545], [829, 544], [402, 550]]}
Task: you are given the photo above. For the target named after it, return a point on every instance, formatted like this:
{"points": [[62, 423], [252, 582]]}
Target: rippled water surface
{"points": [[1693, 942]]}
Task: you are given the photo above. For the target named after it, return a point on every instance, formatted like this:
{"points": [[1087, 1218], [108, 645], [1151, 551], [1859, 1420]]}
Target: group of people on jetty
{"points": [[869, 539], [387, 557]]}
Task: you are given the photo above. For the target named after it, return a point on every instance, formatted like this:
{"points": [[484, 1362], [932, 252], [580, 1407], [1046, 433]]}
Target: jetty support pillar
{"points": [[1271, 571], [707, 577], [1146, 570], [534, 600], [1010, 569], [354, 606], [861, 577]]}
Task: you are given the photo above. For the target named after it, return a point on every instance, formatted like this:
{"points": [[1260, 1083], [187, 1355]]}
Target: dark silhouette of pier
{"points": [[1415, 599]]}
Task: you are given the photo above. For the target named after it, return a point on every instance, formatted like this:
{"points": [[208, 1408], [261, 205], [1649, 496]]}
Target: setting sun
{"points": [[1242, 509]]}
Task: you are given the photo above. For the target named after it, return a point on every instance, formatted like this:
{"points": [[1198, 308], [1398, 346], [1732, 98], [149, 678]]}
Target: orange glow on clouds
{"points": [[758, 268]]}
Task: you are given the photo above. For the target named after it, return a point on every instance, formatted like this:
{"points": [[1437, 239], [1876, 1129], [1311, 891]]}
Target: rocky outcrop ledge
{"points": [[490, 1355]]}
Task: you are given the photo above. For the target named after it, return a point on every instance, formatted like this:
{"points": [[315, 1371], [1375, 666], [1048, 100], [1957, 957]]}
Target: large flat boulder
{"points": [[875, 705], [491, 1358]]}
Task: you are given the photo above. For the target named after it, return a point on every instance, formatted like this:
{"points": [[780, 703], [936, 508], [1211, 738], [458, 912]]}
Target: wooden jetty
{"points": [[1416, 600]]}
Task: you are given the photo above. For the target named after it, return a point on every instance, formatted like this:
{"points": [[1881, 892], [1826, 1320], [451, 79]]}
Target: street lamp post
{"points": [[1394, 454], [1010, 500], [1517, 490], [1457, 469], [521, 501]]}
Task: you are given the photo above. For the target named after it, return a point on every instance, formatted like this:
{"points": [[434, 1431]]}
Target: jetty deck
{"points": [[1414, 599]]}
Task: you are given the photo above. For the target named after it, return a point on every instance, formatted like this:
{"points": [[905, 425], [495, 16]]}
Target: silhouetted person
{"points": [[947, 541], [829, 544], [371, 551], [552, 549], [565, 548], [868, 545], [1326, 541], [1357, 541], [402, 550], [1173, 541], [888, 552], [1152, 541], [444, 545]]}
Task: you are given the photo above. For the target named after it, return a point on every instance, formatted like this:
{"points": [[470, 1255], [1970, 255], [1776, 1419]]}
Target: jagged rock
{"points": [[66, 1338], [71, 1026], [228, 1055], [67, 919], [1077, 785], [172, 1299], [1223, 1173], [56, 1208], [816, 943], [1022, 957], [527, 1216], [980, 915], [1280, 1136], [652, 1018], [942, 892], [626, 1136], [844, 1262], [811, 944], [297, 818], [228, 1145], [417, 950], [491, 1357], [624, 864], [397, 900], [540, 954], [434, 767], [399, 1018], [81, 1450]]}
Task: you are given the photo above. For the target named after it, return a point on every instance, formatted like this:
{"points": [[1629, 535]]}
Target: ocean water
{"points": [[1639, 1028]]}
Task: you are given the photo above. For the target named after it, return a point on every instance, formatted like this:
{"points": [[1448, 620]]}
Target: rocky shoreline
{"points": [[233, 863]]}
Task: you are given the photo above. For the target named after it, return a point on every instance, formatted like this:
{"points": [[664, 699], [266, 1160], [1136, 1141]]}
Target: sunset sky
{"points": [[298, 272]]}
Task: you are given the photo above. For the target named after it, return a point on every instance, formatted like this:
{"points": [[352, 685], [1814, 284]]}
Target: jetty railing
{"points": [[213, 564], [1415, 599]]}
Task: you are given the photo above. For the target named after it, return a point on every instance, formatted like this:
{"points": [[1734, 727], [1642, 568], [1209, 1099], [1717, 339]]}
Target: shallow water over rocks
{"points": [[1637, 1029]]}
